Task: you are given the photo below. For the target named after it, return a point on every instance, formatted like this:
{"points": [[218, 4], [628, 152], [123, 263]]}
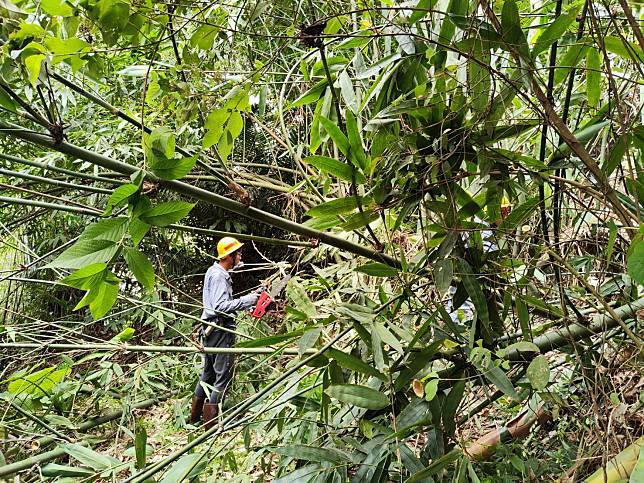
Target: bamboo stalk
{"points": [[40, 179], [50, 206], [12, 130], [159, 349]]}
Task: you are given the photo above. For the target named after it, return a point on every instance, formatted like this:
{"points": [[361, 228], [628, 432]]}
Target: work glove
{"points": [[250, 299]]}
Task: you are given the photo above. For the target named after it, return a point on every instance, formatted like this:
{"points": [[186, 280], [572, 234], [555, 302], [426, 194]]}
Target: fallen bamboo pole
{"points": [[620, 467], [54, 182], [13, 468], [161, 349]]}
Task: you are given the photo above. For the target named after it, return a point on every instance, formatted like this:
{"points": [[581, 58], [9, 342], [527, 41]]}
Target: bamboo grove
{"points": [[399, 159]]}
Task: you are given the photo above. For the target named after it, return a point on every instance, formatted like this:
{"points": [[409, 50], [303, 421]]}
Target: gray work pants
{"points": [[217, 368]]}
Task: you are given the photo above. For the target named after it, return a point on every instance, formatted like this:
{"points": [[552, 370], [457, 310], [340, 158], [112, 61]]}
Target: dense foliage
{"points": [[456, 188]]}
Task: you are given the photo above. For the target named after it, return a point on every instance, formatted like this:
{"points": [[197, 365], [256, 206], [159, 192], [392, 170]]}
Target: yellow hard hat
{"points": [[227, 245]]}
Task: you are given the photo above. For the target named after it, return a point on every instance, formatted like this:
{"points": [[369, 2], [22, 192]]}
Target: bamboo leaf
{"points": [[635, 263], [518, 215], [312, 95], [474, 291], [626, 50], [357, 153], [89, 457], [140, 445], [271, 340], [186, 468], [571, 59], [53, 470], [376, 269], [140, 267], [348, 94], [593, 76], [336, 207], [358, 220], [616, 154], [336, 168], [354, 364], [336, 135], [165, 214], [538, 373], [361, 396], [422, 8], [554, 31], [313, 453]]}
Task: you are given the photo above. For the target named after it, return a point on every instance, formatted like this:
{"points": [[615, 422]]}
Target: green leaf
{"points": [[624, 49], [89, 457], [361, 396], [431, 388], [57, 8], [583, 135], [312, 95], [140, 267], [301, 301], [159, 143], [103, 298], [336, 168], [313, 453], [337, 136], [617, 154], [111, 229], [6, 101], [187, 467], [443, 274], [357, 153], [64, 47], [39, 383], [354, 364], [53, 470], [479, 81], [554, 31], [511, 25], [270, 340], [571, 59], [336, 207], [214, 127], [498, 377], [593, 76], [422, 8], [376, 269], [348, 94], [33, 63], [120, 195], [635, 263], [170, 169], [539, 373], [86, 277], [124, 335], [86, 252], [358, 220], [165, 214]]}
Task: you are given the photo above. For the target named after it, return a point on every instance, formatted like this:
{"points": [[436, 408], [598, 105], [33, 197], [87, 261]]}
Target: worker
{"points": [[219, 308]]}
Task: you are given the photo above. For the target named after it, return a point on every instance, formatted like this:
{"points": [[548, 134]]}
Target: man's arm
{"points": [[219, 302]]}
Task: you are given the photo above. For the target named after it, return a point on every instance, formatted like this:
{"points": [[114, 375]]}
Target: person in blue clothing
{"points": [[219, 308]]}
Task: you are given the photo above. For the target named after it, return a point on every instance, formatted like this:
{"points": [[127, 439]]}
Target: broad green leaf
{"points": [[359, 220], [376, 269], [186, 468], [124, 335], [336, 135], [583, 135], [336, 207], [120, 195], [336, 168], [28, 30], [85, 277], [53, 470], [361, 396], [523, 346], [104, 298], [305, 474], [511, 25], [635, 263], [57, 8], [431, 388], [354, 364], [270, 340], [39, 383], [66, 46], [166, 213], [170, 169], [33, 63], [443, 275], [235, 124], [478, 80], [159, 143], [593, 76], [86, 252], [140, 267], [312, 95], [297, 294], [554, 31], [111, 229], [214, 127], [452, 402], [313, 453], [539, 373], [496, 376], [6, 101], [89, 457]]}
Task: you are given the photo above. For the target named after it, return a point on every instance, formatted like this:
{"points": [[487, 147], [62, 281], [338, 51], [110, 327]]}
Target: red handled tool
{"points": [[266, 298]]}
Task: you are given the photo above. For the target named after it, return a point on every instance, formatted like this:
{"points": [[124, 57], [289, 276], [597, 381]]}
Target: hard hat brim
{"points": [[230, 250]]}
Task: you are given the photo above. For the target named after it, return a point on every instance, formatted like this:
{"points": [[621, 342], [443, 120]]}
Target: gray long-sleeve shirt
{"points": [[218, 298]]}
